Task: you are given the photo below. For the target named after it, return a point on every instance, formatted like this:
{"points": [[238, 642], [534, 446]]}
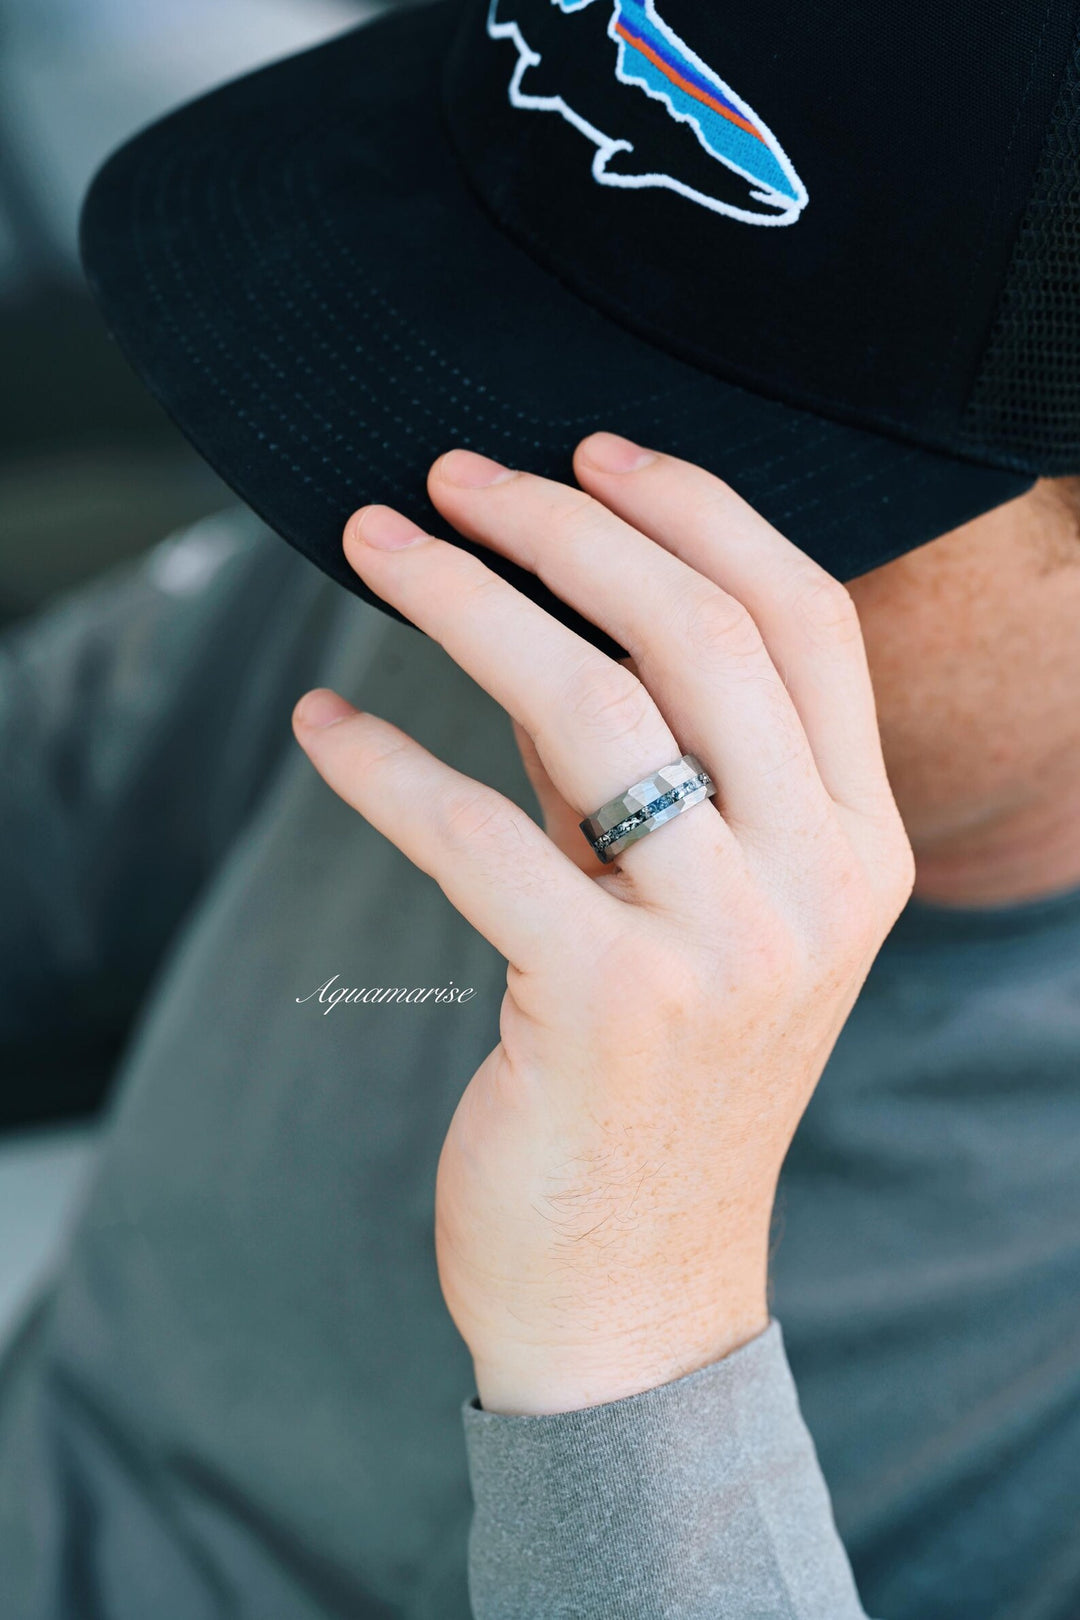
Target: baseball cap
{"points": [[828, 252]]}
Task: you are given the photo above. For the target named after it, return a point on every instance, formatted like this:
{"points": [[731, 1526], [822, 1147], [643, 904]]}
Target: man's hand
{"points": [[606, 1186]]}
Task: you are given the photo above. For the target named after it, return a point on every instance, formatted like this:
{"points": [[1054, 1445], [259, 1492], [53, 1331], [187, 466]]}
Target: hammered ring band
{"points": [[646, 805]]}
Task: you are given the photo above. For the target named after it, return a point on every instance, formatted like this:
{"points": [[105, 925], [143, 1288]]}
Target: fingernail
{"points": [[470, 471], [385, 529], [322, 708], [609, 453]]}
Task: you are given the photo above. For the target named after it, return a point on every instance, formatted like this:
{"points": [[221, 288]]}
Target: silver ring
{"points": [[646, 805]]}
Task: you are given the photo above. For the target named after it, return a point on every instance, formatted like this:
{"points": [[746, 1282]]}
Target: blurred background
{"points": [[91, 471]]}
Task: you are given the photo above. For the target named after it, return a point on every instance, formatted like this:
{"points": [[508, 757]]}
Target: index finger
{"points": [[491, 860]]}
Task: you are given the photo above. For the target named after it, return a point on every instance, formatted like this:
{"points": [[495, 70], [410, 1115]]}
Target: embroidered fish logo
{"points": [[650, 57]]}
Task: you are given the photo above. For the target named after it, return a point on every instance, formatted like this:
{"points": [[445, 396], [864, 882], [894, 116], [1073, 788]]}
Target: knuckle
{"points": [[720, 630], [477, 590], [865, 893], [905, 887], [825, 607], [891, 859], [573, 515], [710, 505], [476, 817], [610, 702], [386, 755], [901, 867]]}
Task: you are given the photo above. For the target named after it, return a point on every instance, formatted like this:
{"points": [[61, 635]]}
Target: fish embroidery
{"points": [[651, 58]]}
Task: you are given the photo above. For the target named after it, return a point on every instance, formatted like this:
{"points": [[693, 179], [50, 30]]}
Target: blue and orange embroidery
{"points": [[653, 58]]}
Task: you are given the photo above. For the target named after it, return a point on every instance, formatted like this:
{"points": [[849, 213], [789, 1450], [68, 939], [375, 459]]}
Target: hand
{"points": [[606, 1186]]}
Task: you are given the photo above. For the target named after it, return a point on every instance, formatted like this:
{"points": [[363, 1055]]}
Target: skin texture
{"points": [[974, 650], [606, 1185], [605, 1189]]}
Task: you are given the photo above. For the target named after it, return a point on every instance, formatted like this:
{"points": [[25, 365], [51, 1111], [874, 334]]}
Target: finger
{"points": [[596, 728], [698, 650], [490, 859], [561, 820], [806, 617]]}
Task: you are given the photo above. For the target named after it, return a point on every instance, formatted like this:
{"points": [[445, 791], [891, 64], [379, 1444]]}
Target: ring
{"points": [[647, 805]]}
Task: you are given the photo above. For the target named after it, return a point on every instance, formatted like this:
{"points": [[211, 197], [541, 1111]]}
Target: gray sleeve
{"points": [[699, 1500], [139, 717]]}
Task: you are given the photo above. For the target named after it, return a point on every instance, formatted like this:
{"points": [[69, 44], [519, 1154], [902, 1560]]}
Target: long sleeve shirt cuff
{"points": [[699, 1500]]}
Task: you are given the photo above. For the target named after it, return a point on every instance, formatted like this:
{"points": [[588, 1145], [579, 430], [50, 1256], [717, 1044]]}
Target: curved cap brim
{"points": [[296, 266]]}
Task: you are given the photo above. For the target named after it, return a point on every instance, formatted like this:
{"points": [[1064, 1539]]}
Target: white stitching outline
{"points": [[607, 145]]}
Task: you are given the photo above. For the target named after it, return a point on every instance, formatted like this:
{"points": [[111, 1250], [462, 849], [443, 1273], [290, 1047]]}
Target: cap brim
{"points": [[298, 269]]}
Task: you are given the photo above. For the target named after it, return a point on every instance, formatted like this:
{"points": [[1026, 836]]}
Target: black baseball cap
{"points": [[828, 252]]}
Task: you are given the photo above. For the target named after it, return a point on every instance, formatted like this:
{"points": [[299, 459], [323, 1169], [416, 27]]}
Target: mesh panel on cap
{"points": [[1026, 400]]}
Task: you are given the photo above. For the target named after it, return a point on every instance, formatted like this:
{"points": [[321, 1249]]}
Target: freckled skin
{"points": [[974, 650], [605, 1188]]}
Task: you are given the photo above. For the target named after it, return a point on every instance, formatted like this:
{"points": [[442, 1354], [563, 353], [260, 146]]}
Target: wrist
{"points": [[531, 1380]]}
